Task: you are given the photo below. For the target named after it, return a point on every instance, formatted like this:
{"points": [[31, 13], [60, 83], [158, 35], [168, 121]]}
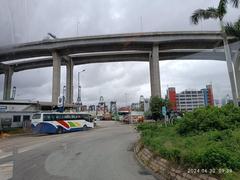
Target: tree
{"points": [[168, 103], [156, 104], [210, 13], [215, 13], [233, 29], [219, 13], [235, 3], [148, 114]]}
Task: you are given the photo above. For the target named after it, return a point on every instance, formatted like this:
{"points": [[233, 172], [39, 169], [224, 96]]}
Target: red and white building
{"points": [[190, 99]]}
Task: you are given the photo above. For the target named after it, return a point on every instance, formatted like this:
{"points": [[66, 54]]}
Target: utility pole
{"points": [[13, 92], [64, 93], [79, 98], [12, 28], [78, 27], [141, 24]]}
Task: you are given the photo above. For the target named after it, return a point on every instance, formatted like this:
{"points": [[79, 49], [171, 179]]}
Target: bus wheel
{"points": [[60, 130], [84, 127]]}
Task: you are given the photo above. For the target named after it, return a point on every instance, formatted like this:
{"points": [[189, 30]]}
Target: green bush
{"points": [[156, 104], [148, 126], [220, 135], [148, 114], [218, 158], [215, 147], [208, 119]]}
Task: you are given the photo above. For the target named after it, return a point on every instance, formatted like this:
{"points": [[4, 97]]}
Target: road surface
{"points": [[105, 153]]}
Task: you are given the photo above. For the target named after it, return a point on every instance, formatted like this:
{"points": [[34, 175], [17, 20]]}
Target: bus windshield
{"points": [[36, 116]]}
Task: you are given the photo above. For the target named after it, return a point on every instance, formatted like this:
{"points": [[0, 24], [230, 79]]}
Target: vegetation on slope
{"points": [[207, 138]]}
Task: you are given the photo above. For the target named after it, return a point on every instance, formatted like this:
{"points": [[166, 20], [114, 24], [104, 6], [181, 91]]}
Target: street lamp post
{"points": [[64, 92], [79, 98]]}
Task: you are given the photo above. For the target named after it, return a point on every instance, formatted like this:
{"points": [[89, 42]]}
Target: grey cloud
{"points": [[36, 78], [31, 20], [196, 74]]}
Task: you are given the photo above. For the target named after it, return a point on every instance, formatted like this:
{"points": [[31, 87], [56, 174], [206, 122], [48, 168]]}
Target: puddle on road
{"points": [[144, 172]]}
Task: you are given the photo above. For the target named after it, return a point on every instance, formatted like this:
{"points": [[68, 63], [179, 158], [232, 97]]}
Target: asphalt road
{"points": [[105, 153]]}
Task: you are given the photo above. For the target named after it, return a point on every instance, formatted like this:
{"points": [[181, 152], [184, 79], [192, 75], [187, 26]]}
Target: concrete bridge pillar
{"points": [[232, 75], [154, 71], [56, 78], [69, 83], [237, 75], [231, 71], [7, 83], [236, 63]]}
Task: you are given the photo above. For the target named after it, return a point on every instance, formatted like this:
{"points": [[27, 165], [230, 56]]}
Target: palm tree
{"points": [[233, 29], [235, 3], [214, 13], [219, 13]]}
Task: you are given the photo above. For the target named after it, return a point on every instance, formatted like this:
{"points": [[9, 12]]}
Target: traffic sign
{"points": [[164, 110]]}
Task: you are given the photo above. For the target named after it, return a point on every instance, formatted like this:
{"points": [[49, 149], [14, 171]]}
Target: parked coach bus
{"points": [[51, 123]]}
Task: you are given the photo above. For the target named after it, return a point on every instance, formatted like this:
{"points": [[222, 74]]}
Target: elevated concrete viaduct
{"points": [[146, 47]]}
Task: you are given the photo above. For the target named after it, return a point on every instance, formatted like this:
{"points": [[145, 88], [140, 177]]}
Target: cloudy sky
{"points": [[30, 20]]}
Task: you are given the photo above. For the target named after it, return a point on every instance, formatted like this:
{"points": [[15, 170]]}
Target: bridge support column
{"points": [[237, 75], [154, 71], [69, 83], [236, 62], [231, 71], [56, 77], [233, 86], [7, 83]]}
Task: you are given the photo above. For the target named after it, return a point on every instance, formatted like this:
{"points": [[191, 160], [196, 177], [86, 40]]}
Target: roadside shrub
{"points": [[206, 138], [175, 155], [148, 126], [156, 104], [215, 157], [217, 136], [148, 114], [208, 119]]}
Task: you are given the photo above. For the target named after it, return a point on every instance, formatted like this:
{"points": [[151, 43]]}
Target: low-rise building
{"points": [[190, 99], [135, 106], [146, 104]]}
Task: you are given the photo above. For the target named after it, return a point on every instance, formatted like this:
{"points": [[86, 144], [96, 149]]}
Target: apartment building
{"points": [[190, 99]]}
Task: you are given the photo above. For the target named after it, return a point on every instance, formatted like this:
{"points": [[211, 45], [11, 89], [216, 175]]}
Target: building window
{"points": [[16, 118], [26, 118]]}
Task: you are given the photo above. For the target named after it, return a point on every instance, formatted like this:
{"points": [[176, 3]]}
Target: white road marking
{"points": [[29, 148], [5, 154], [6, 170]]}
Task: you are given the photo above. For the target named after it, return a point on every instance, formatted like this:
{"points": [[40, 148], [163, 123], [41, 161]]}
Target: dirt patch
{"points": [[4, 135], [14, 132]]}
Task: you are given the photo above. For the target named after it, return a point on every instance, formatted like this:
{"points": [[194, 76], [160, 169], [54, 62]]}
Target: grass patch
{"points": [[200, 146]]}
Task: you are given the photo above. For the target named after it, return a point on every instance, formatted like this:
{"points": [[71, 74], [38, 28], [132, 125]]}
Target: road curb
{"points": [[142, 165], [161, 168]]}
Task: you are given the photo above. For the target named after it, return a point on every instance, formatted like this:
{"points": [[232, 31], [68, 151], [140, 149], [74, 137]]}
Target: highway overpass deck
{"points": [[144, 47]]}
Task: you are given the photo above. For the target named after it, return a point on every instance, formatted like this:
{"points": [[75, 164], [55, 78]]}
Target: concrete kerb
{"points": [[161, 168], [142, 165]]}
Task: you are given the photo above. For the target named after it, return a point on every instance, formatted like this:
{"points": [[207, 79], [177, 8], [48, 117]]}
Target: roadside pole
{"points": [[164, 112]]}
